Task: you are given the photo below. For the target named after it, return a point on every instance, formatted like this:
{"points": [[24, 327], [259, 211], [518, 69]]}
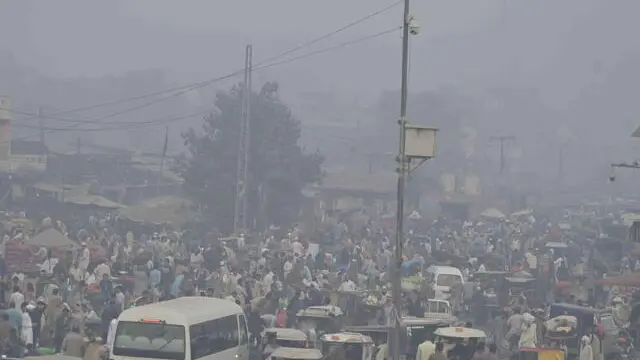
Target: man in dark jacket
{"points": [[111, 311], [61, 328], [415, 306], [36, 320]]}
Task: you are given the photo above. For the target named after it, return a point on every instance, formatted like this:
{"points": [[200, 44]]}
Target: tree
{"points": [[278, 167]]}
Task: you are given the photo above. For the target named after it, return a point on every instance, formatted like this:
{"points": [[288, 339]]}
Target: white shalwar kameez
{"points": [[27, 329]]}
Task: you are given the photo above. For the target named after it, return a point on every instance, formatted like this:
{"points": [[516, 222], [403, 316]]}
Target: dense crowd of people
{"points": [[72, 305]]}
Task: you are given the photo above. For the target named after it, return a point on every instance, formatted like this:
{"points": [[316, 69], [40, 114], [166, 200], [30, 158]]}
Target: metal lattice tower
{"points": [[240, 208]]}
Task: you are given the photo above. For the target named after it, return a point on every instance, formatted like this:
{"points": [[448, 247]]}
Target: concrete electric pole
{"points": [[502, 140], [397, 271], [240, 208], [41, 125]]}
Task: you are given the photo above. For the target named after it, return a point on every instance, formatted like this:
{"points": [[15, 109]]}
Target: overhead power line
{"points": [[127, 126], [201, 84], [162, 121], [337, 31]]}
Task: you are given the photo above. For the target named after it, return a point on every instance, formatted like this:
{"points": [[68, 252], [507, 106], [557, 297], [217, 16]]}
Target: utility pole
{"points": [[502, 140], [240, 209], [397, 271], [41, 125], [165, 146], [561, 161]]}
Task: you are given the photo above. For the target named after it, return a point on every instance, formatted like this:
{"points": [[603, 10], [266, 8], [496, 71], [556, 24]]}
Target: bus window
{"points": [[214, 336], [150, 340]]}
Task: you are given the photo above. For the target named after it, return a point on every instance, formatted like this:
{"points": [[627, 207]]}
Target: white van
{"points": [[443, 277], [186, 328]]}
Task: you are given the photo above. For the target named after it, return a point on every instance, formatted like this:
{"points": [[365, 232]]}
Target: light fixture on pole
{"points": [[420, 142]]}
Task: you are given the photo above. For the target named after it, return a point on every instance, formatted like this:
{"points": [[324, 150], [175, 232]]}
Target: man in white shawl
{"points": [[84, 258], [528, 339], [586, 352], [27, 325]]}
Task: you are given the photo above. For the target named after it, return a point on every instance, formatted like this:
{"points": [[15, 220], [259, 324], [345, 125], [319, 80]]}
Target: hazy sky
{"points": [[460, 39], [94, 38]]}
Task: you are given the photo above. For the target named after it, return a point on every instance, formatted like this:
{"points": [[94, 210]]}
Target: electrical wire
{"points": [[155, 122], [99, 119], [332, 48], [201, 84], [35, 125], [337, 31], [128, 126]]}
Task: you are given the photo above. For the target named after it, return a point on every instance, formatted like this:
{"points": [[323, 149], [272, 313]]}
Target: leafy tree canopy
{"points": [[278, 166]]}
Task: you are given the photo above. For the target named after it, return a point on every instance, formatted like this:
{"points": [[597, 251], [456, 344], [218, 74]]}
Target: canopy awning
{"points": [[161, 210], [51, 238], [492, 213], [629, 279], [93, 200]]}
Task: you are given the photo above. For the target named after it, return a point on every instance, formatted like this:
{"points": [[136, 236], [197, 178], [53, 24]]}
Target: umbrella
{"points": [[51, 238], [492, 213], [524, 212]]}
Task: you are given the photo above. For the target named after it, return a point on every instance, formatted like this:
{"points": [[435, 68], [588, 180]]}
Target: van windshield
{"points": [[446, 279], [149, 340]]}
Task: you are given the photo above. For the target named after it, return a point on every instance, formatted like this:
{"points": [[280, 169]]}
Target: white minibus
{"points": [[186, 328]]}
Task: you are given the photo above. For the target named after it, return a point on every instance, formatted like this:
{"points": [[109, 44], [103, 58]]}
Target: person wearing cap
{"points": [[26, 333]]}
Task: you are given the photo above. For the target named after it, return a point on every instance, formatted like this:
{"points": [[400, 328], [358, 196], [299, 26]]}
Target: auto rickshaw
{"points": [[453, 336], [419, 329], [492, 285], [351, 346], [520, 288], [587, 320], [378, 333], [315, 321], [286, 353], [287, 337]]}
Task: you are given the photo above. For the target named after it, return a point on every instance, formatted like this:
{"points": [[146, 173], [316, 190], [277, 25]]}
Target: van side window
{"points": [[244, 334], [214, 336]]}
